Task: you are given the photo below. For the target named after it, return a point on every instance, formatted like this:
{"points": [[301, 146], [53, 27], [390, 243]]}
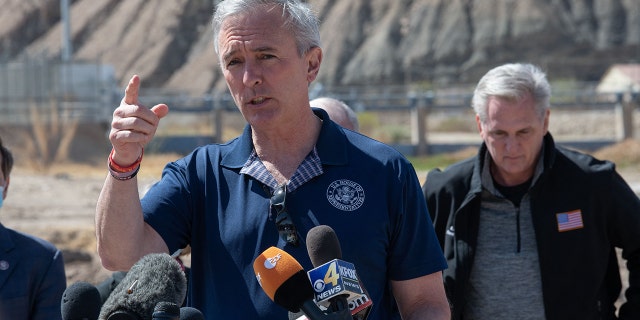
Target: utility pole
{"points": [[66, 31]]}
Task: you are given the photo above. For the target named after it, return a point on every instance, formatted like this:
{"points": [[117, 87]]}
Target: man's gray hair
{"points": [[512, 82], [299, 19]]}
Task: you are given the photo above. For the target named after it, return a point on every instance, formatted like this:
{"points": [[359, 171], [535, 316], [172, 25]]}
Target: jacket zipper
{"points": [[518, 241]]}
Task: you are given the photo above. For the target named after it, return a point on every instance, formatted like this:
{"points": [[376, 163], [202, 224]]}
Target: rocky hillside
{"points": [[365, 41]]}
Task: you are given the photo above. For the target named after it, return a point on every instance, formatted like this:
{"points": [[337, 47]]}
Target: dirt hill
{"points": [[365, 41]]}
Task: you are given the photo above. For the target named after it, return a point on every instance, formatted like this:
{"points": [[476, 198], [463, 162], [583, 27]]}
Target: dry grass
{"points": [[624, 154]]}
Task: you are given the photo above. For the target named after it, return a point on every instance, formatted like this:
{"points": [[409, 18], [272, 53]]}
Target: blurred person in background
{"points": [[291, 169], [530, 228], [338, 111], [32, 276]]}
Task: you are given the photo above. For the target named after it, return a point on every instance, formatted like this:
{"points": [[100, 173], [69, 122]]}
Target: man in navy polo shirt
{"points": [[290, 162]]}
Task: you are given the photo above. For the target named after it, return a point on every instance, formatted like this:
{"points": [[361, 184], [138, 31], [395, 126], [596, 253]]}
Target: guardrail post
{"points": [[216, 113], [624, 111]]}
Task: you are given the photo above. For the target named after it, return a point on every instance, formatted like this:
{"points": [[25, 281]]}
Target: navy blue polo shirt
{"points": [[368, 193]]}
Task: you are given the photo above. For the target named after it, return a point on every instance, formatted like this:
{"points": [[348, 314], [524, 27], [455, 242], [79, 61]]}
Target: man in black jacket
{"points": [[529, 229]]}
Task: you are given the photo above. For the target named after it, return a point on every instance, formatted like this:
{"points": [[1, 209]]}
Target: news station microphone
{"points": [[336, 282], [189, 313], [156, 277], [80, 301], [286, 283]]}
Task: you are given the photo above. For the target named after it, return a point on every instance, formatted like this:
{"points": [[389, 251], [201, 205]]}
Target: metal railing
{"points": [[87, 92]]}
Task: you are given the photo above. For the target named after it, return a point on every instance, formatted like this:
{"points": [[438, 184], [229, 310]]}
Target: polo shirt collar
{"points": [[240, 151], [331, 144]]}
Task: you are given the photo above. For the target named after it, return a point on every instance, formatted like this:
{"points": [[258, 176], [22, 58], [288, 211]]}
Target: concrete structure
{"points": [[621, 78]]}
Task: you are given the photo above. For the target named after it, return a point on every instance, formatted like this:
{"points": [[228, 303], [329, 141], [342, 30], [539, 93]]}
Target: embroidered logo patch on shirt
{"points": [[345, 195], [569, 220]]}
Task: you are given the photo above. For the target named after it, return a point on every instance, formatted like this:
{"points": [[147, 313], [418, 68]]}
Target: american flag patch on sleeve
{"points": [[569, 220]]}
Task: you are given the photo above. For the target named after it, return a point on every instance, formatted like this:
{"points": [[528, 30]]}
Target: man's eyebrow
{"points": [[231, 53], [228, 55], [518, 130]]}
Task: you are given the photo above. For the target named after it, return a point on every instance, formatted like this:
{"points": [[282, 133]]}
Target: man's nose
{"points": [[510, 143], [252, 75]]}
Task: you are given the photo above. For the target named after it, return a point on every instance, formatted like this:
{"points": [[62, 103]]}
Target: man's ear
{"points": [[314, 58], [546, 121]]}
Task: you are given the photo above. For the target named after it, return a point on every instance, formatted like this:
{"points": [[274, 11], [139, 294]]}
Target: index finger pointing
{"points": [[131, 92]]}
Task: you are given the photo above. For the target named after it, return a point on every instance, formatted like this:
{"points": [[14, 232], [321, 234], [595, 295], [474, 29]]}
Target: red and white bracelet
{"points": [[123, 173]]}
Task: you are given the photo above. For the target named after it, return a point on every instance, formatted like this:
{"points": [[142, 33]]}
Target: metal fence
{"points": [[88, 92], [78, 90]]}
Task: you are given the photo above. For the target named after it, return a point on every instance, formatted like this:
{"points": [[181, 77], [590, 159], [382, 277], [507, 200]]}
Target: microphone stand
{"points": [[344, 314]]}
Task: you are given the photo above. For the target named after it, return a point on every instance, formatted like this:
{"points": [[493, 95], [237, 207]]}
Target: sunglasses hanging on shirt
{"points": [[286, 228]]}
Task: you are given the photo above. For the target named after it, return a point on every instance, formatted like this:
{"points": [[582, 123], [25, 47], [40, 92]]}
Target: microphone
{"points": [[156, 277], [285, 282], [190, 313], [336, 282], [80, 301], [166, 311]]}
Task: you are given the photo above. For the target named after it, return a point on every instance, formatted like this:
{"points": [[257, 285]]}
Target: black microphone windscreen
{"points": [[165, 310], [154, 278], [189, 313], [323, 245], [123, 315], [80, 301]]}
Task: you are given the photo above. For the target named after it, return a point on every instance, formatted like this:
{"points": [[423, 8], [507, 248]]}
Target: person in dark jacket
{"points": [[32, 274], [530, 229]]}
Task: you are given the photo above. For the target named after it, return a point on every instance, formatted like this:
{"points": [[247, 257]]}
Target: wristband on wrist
{"points": [[123, 176], [113, 166]]}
